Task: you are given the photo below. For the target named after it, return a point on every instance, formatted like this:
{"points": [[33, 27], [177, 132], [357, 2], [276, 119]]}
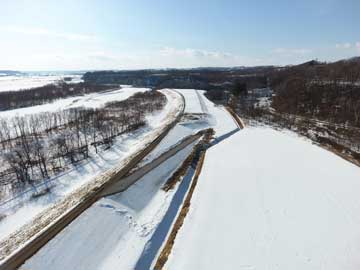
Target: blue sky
{"points": [[79, 34]]}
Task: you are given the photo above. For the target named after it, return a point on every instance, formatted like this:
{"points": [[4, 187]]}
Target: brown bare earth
{"points": [[341, 153], [235, 117]]}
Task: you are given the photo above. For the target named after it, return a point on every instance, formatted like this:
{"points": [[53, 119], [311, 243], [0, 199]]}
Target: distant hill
{"points": [[311, 63], [207, 78], [10, 73]]}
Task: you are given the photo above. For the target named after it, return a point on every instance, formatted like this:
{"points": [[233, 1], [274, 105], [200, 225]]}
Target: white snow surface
{"points": [[14, 83], [215, 116], [118, 228], [200, 113], [23, 208], [192, 100], [93, 100], [265, 200], [113, 232], [271, 200]]}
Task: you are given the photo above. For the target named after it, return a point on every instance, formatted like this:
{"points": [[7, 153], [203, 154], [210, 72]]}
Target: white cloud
{"points": [[349, 47], [48, 33], [346, 45], [358, 45]]}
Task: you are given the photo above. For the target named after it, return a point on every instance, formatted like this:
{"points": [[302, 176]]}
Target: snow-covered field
{"points": [[22, 209], [124, 230], [113, 232], [265, 199], [93, 100], [14, 83], [271, 200]]}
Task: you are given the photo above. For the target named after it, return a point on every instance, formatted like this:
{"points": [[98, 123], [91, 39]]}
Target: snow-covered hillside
{"points": [[14, 83], [270, 200], [93, 100]]}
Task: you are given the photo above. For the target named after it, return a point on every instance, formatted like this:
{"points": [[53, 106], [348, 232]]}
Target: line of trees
{"points": [[45, 94], [38, 146]]}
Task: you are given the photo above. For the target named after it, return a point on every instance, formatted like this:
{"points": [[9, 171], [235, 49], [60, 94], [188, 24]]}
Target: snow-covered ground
{"points": [[113, 232], [271, 200], [14, 83], [93, 100], [22, 209], [126, 229], [200, 113], [265, 200], [215, 116], [192, 101]]}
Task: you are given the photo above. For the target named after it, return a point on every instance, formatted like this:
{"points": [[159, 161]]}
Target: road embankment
{"points": [[20, 246], [170, 241]]}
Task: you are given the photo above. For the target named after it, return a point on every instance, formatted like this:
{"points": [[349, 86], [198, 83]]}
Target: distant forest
{"points": [[328, 92], [45, 94], [198, 78]]}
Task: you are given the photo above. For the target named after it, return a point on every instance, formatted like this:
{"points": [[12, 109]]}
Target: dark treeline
{"points": [[199, 78], [328, 92], [36, 147], [44, 94]]}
